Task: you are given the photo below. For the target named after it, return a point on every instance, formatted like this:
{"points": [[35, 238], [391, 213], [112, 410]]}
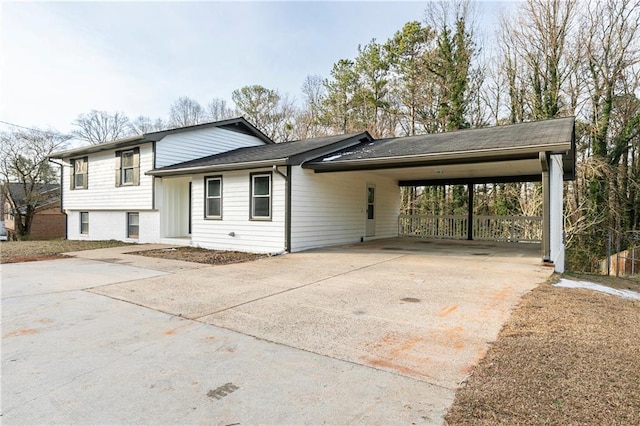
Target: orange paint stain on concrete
{"points": [[392, 366], [22, 332], [175, 330], [405, 346], [447, 311]]}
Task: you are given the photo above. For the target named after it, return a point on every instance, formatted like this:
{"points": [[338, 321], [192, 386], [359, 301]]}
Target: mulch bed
{"points": [[566, 356], [199, 255]]}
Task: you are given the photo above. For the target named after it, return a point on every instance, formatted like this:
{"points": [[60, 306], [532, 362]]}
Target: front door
{"points": [[371, 212]]}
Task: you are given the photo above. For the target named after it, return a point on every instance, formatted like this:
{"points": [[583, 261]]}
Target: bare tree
{"points": [[98, 127], [308, 123], [186, 112], [24, 161], [539, 37], [143, 124], [218, 110]]}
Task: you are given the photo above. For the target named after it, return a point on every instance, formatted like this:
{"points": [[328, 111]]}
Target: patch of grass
{"points": [[566, 356], [25, 251]]}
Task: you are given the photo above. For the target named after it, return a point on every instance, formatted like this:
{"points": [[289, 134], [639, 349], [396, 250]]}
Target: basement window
{"points": [[84, 223]]}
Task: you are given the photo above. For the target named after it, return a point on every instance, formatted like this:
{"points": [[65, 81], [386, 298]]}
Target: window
{"points": [[133, 225], [128, 167], [84, 223], [261, 196], [213, 197], [79, 178]]}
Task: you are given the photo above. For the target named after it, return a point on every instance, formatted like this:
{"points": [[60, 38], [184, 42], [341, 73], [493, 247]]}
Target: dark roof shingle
{"points": [[285, 151]]}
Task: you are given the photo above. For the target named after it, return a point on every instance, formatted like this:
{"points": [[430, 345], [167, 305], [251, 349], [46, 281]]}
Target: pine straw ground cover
{"points": [[566, 356], [27, 251], [199, 255]]}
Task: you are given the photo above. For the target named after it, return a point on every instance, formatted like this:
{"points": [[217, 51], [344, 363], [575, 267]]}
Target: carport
{"points": [[541, 151]]}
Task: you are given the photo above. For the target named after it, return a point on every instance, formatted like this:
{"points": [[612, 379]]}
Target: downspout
{"points": [[153, 178], [546, 208], [287, 206], [66, 227]]}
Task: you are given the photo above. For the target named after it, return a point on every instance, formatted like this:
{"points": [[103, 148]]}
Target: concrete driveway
{"points": [[377, 333]]}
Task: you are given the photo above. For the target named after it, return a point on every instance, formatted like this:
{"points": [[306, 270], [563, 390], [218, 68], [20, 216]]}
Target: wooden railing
{"points": [[492, 228]]}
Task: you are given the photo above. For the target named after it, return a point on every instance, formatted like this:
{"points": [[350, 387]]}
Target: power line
{"points": [[26, 128], [22, 127]]}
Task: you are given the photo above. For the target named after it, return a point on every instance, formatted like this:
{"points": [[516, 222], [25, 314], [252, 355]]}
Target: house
{"points": [[224, 185], [48, 222]]}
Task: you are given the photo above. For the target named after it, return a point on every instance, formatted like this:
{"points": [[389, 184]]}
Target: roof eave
{"points": [[83, 150], [440, 158], [218, 168]]}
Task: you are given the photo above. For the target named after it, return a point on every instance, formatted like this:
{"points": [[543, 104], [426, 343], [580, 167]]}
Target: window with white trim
{"points": [[84, 223], [133, 225], [213, 197], [260, 196], [128, 167], [80, 175]]}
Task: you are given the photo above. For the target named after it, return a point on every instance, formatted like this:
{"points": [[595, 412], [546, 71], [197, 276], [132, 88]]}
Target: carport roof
{"points": [[517, 142]]}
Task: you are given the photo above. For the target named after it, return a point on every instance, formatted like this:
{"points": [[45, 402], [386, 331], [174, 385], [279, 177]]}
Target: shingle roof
{"points": [[239, 124], [50, 193], [293, 152], [539, 133]]}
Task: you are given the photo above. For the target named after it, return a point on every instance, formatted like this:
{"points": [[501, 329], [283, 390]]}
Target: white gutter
{"points": [[220, 167]]}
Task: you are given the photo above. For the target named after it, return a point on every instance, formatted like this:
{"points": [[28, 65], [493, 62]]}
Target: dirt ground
{"points": [[199, 255], [566, 356], [28, 251]]}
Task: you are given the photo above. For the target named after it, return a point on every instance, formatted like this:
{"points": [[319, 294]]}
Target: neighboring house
{"points": [[48, 222], [224, 185]]}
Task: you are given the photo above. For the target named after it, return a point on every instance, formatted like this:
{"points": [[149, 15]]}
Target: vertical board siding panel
{"points": [[102, 193], [330, 208], [177, 148], [249, 235]]}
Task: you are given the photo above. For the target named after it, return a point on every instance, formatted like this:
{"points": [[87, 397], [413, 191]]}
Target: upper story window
{"points": [[213, 197], [260, 196], [128, 167], [79, 173]]}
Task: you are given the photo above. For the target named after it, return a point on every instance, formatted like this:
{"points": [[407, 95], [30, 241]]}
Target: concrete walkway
{"points": [[339, 336]]}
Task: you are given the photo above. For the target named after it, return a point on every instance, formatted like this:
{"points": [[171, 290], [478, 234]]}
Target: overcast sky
{"points": [[59, 60]]}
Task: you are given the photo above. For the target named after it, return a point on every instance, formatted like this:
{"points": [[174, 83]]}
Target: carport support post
{"points": [[546, 208], [470, 212]]}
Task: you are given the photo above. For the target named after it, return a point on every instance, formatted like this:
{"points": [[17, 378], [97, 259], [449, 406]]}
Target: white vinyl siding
{"points": [[236, 231], [180, 147], [102, 193], [331, 208], [112, 225]]}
